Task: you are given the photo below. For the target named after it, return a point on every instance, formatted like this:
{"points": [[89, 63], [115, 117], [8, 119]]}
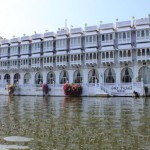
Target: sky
{"points": [[18, 17]]}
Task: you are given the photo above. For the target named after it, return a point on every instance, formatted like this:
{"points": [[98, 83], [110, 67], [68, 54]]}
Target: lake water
{"points": [[58, 123]]}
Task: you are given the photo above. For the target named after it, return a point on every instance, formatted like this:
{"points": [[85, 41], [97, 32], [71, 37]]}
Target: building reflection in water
{"points": [[77, 123]]}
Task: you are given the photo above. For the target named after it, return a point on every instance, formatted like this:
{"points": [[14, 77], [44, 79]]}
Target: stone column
{"points": [[44, 74], [71, 73], [57, 76], [85, 76]]}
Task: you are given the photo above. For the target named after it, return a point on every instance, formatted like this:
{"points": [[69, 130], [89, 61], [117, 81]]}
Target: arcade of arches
{"points": [[109, 76]]}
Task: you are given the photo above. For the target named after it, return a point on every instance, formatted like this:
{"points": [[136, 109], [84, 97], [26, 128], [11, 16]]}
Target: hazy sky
{"points": [[26, 16]]}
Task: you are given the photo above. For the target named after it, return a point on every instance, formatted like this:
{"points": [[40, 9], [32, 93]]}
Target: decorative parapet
{"points": [[49, 34], [37, 36], [123, 24], [76, 30], [107, 26], [15, 40], [5, 41], [25, 38], [142, 21], [63, 31], [91, 28]]}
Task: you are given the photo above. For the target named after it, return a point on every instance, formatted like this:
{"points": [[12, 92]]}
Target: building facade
{"points": [[112, 58]]}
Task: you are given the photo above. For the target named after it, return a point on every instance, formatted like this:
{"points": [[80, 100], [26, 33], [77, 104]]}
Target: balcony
{"points": [[91, 44], [37, 65], [36, 50], [47, 49], [142, 58], [4, 68], [13, 67], [125, 59], [123, 41], [76, 63], [24, 66], [46, 65], [107, 42], [61, 64], [91, 62], [142, 39], [4, 54], [107, 60]]}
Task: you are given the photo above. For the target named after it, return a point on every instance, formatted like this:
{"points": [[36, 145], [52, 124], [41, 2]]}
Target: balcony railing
{"points": [[38, 65], [13, 67], [37, 50], [3, 67], [48, 64], [24, 66], [142, 39], [107, 60], [75, 46], [91, 61], [75, 62], [107, 42], [64, 63], [46, 49], [125, 59], [127, 40], [89, 44], [146, 57]]}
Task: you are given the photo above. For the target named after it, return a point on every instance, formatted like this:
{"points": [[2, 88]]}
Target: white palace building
{"points": [[110, 59]]}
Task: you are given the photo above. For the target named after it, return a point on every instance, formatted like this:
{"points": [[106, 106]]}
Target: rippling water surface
{"points": [[58, 123]]}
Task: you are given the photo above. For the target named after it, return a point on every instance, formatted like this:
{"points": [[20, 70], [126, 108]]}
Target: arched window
{"points": [[16, 78], [77, 77], [38, 78], [109, 76], [7, 78], [93, 76], [126, 75], [64, 77], [144, 72], [27, 78], [50, 78]]}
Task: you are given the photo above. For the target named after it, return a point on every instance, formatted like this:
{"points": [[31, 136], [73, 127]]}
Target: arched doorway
{"points": [[7, 79], [16, 78], [77, 78], [64, 77], [109, 76], [126, 75], [144, 72], [50, 78], [93, 76], [38, 78], [27, 78]]}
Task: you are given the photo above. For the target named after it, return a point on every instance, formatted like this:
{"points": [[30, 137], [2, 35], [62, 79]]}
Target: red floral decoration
{"points": [[72, 89]]}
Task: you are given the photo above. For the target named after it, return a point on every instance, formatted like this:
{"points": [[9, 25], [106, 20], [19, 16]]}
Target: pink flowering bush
{"points": [[45, 88], [72, 89]]}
